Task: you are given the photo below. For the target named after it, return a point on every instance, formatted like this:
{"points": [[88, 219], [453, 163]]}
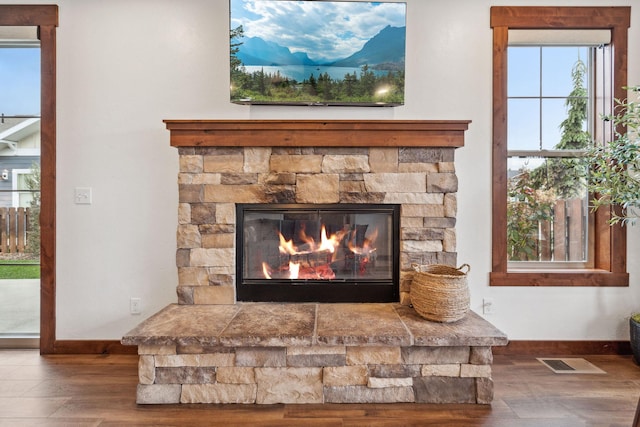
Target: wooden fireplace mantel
{"points": [[317, 133]]}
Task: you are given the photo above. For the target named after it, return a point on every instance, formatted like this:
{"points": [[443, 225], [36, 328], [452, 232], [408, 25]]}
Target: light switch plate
{"points": [[82, 196]]}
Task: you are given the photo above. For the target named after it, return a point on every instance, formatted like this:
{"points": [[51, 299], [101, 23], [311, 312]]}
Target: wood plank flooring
{"points": [[99, 390]]}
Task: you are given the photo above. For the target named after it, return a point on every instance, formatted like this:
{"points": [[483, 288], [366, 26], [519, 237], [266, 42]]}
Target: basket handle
{"points": [[463, 266]]}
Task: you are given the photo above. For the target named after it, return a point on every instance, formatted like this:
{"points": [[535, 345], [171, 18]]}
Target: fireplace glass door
{"points": [[323, 253]]}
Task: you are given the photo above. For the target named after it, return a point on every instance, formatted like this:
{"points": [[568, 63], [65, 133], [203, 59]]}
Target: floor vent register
{"points": [[570, 366]]}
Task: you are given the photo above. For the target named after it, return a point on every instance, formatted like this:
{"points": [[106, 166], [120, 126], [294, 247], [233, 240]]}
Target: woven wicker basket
{"points": [[440, 292]]}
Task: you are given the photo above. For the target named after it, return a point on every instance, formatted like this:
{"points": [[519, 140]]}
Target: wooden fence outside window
{"points": [[14, 227]]}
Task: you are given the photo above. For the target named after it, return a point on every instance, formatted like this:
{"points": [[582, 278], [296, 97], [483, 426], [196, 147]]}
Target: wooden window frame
{"points": [[45, 18], [610, 242]]}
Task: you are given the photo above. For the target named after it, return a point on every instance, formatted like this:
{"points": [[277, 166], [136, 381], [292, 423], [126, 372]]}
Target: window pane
{"points": [[554, 113], [25, 199], [546, 210], [22, 181], [557, 65], [20, 81], [523, 132], [524, 71]]}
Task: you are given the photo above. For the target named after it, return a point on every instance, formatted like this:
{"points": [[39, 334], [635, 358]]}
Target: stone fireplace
{"points": [[264, 185], [225, 163]]}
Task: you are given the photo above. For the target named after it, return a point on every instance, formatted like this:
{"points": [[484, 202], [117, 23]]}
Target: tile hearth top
{"points": [[307, 324]]}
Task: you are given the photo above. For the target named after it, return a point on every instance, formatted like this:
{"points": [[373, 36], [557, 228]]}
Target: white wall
{"points": [[125, 65]]}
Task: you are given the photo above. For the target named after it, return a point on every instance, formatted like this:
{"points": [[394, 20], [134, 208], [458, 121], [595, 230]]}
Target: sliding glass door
{"points": [[19, 187]]}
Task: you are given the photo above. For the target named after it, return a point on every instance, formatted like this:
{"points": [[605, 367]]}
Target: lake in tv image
{"points": [[317, 52]]}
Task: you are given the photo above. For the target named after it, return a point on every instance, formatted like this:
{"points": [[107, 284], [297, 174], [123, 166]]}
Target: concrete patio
{"points": [[19, 308]]}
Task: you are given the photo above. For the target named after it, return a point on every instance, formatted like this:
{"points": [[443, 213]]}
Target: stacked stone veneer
{"points": [[213, 179], [316, 374], [311, 353]]}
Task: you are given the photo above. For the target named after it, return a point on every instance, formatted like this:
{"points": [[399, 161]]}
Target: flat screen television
{"points": [[317, 52]]}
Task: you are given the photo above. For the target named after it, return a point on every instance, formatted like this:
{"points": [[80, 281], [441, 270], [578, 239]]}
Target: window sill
{"points": [[591, 277]]}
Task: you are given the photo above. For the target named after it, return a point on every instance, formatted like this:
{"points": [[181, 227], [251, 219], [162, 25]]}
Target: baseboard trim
{"points": [[18, 343], [521, 348], [562, 348], [92, 347]]}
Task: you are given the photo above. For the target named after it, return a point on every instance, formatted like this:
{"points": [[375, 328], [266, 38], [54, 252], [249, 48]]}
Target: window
{"points": [[550, 122], [552, 64], [23, 193]]}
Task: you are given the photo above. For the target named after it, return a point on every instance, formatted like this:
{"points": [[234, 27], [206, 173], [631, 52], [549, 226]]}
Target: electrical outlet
{"points": [[135, 305], [488, 306]]}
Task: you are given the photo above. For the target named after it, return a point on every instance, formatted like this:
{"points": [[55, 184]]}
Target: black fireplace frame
{"points": [[288, 290]]}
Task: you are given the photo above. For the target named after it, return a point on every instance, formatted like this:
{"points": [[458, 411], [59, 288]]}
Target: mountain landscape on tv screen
{"points": [[353, 53], [384, 49]]}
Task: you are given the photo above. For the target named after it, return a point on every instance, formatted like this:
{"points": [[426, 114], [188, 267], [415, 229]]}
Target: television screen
{"points": [[316, 52]]}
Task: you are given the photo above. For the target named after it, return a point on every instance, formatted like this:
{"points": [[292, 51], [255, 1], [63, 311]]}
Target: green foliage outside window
{"points": [[526, 208], [33, 237]]}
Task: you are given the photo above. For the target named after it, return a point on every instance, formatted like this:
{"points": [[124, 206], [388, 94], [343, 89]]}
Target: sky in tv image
{"points": [[326, 31]]}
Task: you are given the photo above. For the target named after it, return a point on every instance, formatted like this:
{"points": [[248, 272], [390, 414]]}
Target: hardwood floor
{"points": [[99, 390]]}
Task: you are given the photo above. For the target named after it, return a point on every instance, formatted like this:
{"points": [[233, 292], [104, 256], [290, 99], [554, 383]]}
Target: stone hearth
{"points": [[210, 349], [311, 353]]}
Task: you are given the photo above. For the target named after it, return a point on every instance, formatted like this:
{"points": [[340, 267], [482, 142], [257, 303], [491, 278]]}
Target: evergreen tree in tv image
{"points": [[317, 52]]}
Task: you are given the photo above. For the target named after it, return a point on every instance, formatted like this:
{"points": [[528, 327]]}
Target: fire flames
{"points": [[320, 260]]}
